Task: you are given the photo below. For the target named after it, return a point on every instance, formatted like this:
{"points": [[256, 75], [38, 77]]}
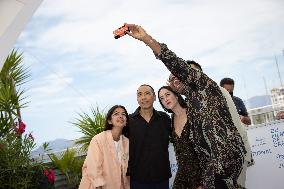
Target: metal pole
{"points": [[278, 72], [266, 90]]}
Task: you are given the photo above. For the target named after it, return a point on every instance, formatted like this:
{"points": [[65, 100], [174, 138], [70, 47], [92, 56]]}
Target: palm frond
{"points": [[14, 69], [12, 76], [89, 125]]}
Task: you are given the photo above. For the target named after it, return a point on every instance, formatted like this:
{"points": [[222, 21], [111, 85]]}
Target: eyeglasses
{"points": [[172, 78]]}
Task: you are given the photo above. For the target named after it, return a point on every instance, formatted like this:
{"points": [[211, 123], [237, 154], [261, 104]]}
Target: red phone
{"points": [[120, 31]]}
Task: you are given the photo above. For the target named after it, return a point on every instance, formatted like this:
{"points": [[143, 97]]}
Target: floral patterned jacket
{"points": [[217, 142]]}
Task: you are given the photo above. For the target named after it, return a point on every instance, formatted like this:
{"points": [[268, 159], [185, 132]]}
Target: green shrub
{"points": [[70, 165], [17, 169]]}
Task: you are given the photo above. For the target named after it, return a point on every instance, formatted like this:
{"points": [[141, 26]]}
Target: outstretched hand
{"points": [[137, 32]]}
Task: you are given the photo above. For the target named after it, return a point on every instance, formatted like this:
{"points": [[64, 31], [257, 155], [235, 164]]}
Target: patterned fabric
{"points": [[217, 143], [189, 171]]}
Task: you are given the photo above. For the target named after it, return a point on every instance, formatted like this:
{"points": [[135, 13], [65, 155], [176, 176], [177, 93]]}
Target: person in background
{"points": [[107, 158], [229, 84], [149, 131], [217, 142], [280, 115]]}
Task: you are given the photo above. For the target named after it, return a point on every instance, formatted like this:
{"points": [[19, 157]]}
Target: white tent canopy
{"points": [[14, 15]]}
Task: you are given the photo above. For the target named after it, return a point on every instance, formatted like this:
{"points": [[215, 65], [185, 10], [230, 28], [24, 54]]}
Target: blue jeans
{"points": [[157, 185]]}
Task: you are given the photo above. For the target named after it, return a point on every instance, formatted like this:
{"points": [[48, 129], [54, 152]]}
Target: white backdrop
{"points": [[267, 143]]}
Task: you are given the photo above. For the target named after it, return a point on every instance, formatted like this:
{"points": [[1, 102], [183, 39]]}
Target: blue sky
{"points": [[76, 63]]}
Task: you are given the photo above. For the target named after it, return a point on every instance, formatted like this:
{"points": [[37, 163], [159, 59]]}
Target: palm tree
{"points": [[89, 125], [12, 76]]}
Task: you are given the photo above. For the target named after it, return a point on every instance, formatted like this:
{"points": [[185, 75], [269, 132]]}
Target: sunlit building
{"points": [[266, 114], [277, 98]]}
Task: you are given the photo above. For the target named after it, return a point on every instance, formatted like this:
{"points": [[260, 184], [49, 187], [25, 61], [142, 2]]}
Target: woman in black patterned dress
{"points": [[217, 145], [189, 171]]}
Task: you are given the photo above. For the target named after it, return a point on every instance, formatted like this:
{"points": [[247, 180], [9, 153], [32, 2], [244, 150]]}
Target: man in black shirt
{"points": [[149, 165]]}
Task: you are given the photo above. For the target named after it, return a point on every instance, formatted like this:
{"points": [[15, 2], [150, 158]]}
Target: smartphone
{"points": [[120, 31]]}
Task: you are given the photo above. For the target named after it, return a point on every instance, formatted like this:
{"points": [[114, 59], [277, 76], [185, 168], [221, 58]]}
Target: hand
{"points": [[175, 84], [199, 187], [245, 120], [137, 32]]}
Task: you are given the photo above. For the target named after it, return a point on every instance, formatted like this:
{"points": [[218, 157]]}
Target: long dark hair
{"points": [[181, 101], [108, 126]]}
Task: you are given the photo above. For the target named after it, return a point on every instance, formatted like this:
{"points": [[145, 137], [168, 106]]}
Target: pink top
{"points": [[102, 166]]}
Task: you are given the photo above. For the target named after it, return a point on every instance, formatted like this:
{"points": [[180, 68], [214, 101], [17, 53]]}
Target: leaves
{"points": [[89, 125], [13, 69], [12, 76], [69, 164], [17, 169]]}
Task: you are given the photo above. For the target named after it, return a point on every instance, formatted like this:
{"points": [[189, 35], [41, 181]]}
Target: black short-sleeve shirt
{"points": [[148, 147]]}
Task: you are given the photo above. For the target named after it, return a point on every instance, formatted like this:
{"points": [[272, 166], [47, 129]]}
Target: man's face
{"points": [[195, 67], [145, 97], [229, 87], [175, 84]]}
